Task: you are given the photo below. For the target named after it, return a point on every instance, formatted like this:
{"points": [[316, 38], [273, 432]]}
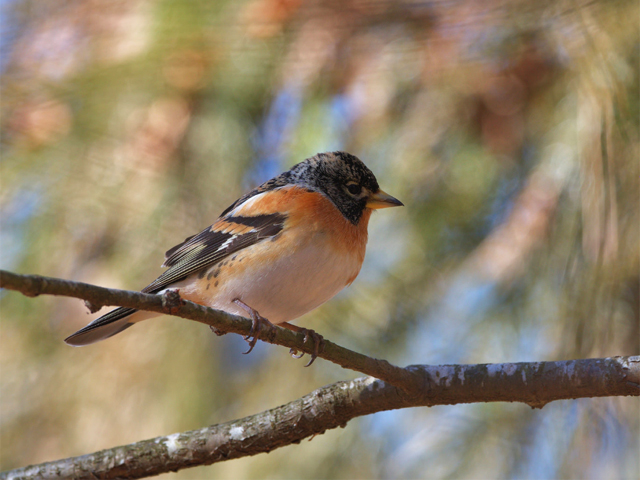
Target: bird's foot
{"points": [[308, 334], [258, 322]]}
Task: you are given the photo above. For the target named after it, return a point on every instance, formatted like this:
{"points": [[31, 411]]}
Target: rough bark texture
{"points": [[535, 384], [334, 405]]}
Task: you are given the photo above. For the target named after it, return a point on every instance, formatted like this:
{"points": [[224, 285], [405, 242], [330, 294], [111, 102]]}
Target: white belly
{"points": [[290, 287], [284, 289]]}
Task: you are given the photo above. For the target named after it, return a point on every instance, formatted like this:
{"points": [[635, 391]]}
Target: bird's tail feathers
{"points": [[107, 326]]}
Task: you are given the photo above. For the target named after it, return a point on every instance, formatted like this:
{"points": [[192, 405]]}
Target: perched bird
{"points": [[275, 254]]}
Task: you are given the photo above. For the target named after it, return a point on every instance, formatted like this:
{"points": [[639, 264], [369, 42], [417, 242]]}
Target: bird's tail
{"points": [[107, 326]]}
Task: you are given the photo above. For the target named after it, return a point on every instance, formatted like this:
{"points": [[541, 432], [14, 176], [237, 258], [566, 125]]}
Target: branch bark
{"points": [[334, 405], [535, 384]]}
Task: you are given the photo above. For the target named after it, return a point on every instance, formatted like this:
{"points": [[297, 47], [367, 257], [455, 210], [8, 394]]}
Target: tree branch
{"points": [[534, 383], [222, 322], [334, 405]]}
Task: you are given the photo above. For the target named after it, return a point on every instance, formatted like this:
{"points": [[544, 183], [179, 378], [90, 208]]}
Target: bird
{"points": [[276, 253]]}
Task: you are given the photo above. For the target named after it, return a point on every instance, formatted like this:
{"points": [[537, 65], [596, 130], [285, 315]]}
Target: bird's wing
{"points": [[231, 233]]}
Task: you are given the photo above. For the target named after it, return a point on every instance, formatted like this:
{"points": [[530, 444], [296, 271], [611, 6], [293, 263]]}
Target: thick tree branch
{"points": [[334, 405], [222, 322], [532, 383]]}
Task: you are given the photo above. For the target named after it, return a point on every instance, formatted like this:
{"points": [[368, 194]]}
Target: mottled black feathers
{"points": [[326, 173], [331, 174], [212, 246]]}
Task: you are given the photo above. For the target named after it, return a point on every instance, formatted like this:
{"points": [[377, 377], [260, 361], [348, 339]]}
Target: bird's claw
{"points": [[257, 322], [318, 345], [295, 354], [254, 333], [217, 331]]}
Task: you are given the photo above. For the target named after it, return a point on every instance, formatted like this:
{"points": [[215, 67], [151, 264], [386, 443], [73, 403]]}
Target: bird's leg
{"points": [[317, 339], [258, 322]]}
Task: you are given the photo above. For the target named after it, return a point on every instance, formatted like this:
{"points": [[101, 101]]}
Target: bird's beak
{"points": [[381, 199]]}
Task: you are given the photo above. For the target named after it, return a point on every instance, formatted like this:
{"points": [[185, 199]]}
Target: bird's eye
{"points": [[354, 188]]}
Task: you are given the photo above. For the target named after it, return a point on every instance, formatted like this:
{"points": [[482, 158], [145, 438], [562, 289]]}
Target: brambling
{"points": [[276, 253]]}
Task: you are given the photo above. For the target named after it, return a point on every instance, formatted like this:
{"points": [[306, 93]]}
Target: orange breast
{"points": [[313, 212], [318, 252]]}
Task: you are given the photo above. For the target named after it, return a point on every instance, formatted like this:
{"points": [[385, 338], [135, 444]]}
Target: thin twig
{"points": [[34, 285]]}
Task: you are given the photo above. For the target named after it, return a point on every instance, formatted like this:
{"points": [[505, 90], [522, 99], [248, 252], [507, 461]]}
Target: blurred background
{"points": [[508, 128]]}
